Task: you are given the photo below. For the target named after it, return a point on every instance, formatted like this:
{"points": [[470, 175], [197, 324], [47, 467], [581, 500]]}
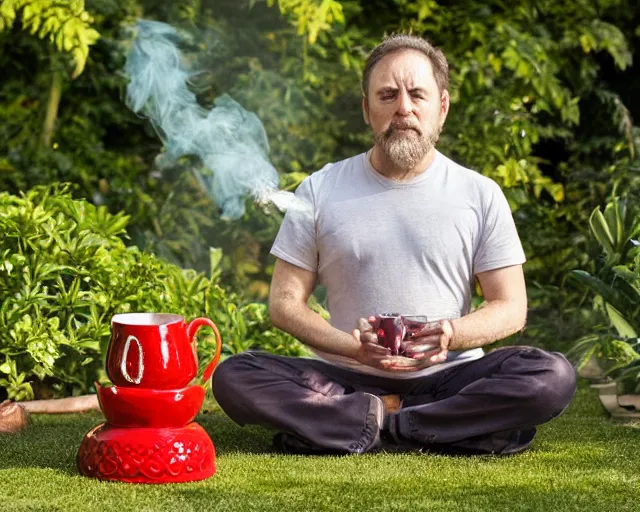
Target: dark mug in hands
{"points": [[393, 328], [391, 331]]}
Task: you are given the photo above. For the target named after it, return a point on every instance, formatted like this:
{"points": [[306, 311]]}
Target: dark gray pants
{"points": [[490, 405]]}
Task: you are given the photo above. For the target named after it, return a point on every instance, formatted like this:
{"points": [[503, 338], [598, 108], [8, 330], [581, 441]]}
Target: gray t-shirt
{"points": [[412, 247]]}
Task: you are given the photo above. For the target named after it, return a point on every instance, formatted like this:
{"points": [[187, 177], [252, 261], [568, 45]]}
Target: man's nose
{"points": [[405, 105]]}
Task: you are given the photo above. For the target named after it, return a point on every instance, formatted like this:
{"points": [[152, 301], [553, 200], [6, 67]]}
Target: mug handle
{"points": [[192, 328]]}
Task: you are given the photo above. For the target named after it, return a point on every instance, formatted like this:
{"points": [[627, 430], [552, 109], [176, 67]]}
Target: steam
{"points": [[230, 141]]}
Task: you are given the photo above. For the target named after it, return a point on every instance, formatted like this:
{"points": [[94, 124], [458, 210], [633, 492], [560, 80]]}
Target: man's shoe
{"points": [[508, 442], [291, 444]]}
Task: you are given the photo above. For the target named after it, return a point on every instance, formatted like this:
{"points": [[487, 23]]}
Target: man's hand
{"points": [[370, 352], [429, 346], [432, 338]]}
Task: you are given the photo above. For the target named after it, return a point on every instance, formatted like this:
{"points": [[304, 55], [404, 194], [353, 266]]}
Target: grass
{"points": [[581, 461]]}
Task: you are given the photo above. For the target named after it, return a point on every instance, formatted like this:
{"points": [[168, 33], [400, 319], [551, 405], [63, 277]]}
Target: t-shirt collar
{"points": [[389, 183]]}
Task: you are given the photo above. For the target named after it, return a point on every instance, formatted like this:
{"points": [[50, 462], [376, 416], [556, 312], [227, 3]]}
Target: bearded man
{"points": [[399, 228]]}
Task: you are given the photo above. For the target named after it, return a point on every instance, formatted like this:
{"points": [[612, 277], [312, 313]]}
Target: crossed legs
{"points": [[490, 405]]}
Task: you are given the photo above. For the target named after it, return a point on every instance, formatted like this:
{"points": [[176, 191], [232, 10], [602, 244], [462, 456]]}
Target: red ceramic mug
{"points": [[156, 350]]}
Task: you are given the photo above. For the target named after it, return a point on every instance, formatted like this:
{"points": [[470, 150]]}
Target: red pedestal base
{"points": [[147, 455]]}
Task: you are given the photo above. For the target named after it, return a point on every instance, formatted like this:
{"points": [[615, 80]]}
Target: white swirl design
{"points": [[123, 363]]}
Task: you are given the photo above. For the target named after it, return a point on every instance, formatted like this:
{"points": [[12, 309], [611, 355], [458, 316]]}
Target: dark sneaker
{"points": [[393, 444], [505, 443], [292, 444]]}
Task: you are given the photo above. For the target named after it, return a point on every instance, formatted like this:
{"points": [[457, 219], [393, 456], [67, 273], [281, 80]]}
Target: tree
{"points": [[538, 105], [65, 24]]}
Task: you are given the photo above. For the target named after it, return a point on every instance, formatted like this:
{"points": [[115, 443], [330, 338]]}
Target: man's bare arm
{"points": [[503, 313], [291, 287]]}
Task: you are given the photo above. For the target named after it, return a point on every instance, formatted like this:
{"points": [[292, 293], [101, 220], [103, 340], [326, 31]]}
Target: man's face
{"points": [[404, 107]]}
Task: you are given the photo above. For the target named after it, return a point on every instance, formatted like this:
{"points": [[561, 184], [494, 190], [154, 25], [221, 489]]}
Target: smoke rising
{"points": [[230, 141]]}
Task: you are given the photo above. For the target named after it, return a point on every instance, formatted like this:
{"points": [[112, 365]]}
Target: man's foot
{"points": [[13, 417], [392, 403]]}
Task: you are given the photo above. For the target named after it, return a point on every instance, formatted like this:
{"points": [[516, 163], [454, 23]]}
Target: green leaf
{"points": [[594, 284], [215, 261], [615, 222], [626, 274], [621, 324], [586, 41], [601, 231]]}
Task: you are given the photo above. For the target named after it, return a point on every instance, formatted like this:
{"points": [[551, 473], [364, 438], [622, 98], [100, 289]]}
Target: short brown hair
{"points": [[399, 42]]}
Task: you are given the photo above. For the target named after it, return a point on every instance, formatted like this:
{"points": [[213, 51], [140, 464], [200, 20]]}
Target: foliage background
{"points": [[544, 97]]}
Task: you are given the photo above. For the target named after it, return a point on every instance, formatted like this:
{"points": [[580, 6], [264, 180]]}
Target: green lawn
{"points": [[581, 461]]}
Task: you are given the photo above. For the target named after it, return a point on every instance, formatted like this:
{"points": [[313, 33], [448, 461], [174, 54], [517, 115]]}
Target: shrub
{"points": [[615, 284], [65, 271]]}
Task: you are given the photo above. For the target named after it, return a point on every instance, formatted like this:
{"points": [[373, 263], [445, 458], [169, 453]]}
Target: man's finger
{"points": [[425, 356], [364, 325], [395, 365], [398, 361], [377, 349], [368, 337], [429, 329], [422, 344], [441, 357]]}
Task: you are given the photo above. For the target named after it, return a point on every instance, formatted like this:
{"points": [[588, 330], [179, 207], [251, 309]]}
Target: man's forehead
{"points": [[408, 67]]}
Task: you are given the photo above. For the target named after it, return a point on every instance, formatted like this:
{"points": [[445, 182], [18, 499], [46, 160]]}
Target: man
{"points": [[400, 228]]}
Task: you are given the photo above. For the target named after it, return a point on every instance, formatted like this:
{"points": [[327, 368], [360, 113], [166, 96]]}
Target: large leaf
{"points": [[629, 276], [608, 293], [613, 214], [627, 284], [215, 263], [624, 354], [621, 324], [583, 349], [601, 231]]}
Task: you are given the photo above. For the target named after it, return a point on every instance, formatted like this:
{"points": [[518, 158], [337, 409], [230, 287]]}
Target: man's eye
{"points": [[388, 97]]}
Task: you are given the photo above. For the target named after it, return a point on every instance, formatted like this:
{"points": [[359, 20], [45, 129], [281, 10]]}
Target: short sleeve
{"points": [[499, 244], [296, 239]]}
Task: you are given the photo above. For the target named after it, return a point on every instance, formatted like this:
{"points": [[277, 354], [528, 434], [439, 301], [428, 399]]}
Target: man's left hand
{"points": [[429, 346]]}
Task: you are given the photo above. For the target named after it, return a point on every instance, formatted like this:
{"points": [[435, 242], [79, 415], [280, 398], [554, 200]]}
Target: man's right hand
{"points": [[370, 351]]}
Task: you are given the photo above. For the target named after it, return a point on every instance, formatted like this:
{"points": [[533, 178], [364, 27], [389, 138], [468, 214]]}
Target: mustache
{"points": [[402, 126]]}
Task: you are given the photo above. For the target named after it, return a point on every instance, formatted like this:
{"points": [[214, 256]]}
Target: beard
{"points": [[406, 144]]}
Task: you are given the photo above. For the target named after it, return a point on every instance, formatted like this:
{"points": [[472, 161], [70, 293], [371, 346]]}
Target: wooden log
{"points": [[14, 416], [73, 404]]}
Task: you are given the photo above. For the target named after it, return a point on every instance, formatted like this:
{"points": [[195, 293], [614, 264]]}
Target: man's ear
{"points": [[365, 109], [445, 102]]}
